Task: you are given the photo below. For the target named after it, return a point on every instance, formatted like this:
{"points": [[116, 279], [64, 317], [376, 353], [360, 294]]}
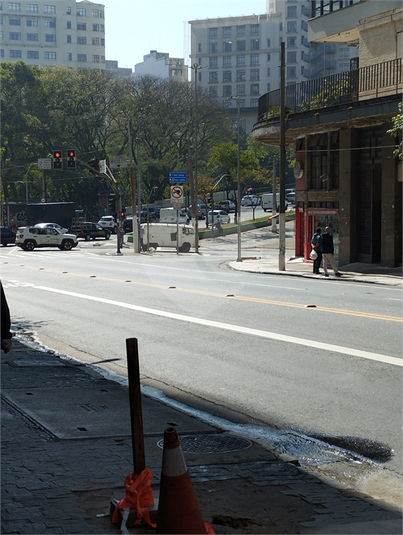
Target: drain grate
{"points": [[211, 443]]}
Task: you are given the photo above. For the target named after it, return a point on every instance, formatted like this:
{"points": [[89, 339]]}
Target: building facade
{"points": [[240, 56], [161, 65], [46, 33], [346, 174]]}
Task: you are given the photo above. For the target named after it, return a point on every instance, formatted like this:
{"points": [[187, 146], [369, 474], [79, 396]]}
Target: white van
{"points": [[170, 215], [165, 235], [267, 202]]}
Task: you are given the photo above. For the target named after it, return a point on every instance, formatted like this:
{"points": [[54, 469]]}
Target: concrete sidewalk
{"points": [[67, 447]]}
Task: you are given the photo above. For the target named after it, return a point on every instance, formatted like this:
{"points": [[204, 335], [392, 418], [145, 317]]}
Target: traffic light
{"points": [[71, 159], [57, 159]]}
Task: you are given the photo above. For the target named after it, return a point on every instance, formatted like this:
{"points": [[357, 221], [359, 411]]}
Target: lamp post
{"points": [[195, 218], [238, 102]]}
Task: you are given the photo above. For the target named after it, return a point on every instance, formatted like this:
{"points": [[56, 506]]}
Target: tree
{"points": [[397, 132]]}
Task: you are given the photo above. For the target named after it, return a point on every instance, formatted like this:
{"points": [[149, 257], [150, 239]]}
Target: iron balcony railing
{"points": [[350, 86]]}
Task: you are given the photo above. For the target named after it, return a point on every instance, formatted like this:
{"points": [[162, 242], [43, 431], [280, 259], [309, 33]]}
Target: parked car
{"points": [[52, 225], [201, 211], [128, 224], [109, 222], [28, 238], [90, 231], [228, 206], [7, 236], [222, 214], [251, 200], [290, 196]]}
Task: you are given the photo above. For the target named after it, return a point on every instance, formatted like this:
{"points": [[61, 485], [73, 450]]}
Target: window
{"points": [[254, 74], [95, 13], [68, 11], [344, 67], [254, 30], [240, 31], [268, 43], [15, 36], [254, 89], [254, 44], [13, 6], [344, 53], [291, 57], [81, 26], [102, 16], [268, 86], [213, 48], [32, 22], [32, 8], [102, 41], [291, 12], [268, 57], [103, 59], [254, 102], [81, 12], [33, 54], [291, 72], [213, 63], [227, 46], [268, 71], [50, 55], [95, 41], [213, 77], [15, 54], [95, 27], [14, 21], [68, 25], [254, 59], [213, 91], [95, 58], [240, 46], [82, 58], [226, 90], [69, 56], [49, 9], [199, 47], [69, 39], [50, 23], [213, 33], [81, 40], [291, 42], [226, 76], [102, 28], [292, 26], [50, 38], [240, 89], [240, 76], [2, 51], [227, 32], [227, 61], [240, 61], [32, 36]]}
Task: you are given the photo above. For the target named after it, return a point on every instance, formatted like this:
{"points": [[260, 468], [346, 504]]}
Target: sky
{"points": [[135, 27]]}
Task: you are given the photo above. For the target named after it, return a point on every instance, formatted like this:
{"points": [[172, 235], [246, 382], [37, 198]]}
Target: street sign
{"points": [[176, 193], [44, 163], [102, 166], [117, 162], [179, 177]]}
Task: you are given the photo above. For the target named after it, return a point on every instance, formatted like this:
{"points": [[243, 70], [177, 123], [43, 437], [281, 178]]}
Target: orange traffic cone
{"points": [[178, 509]]}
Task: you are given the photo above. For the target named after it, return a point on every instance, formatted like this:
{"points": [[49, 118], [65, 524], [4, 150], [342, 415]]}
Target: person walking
{"points": [[218, 226], [316, 243], [6, 335], [328, 252]]}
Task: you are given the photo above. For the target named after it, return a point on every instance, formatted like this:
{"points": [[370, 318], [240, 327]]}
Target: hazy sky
{"points": [[135, 27]]}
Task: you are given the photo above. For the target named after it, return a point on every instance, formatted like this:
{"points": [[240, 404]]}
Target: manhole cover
{"points": [[211, 443]]}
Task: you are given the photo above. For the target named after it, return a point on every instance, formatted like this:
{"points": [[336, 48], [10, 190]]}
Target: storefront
{"points": [[307, 221]]}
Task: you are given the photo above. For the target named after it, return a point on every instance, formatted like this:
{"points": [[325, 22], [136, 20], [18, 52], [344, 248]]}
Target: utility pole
{"points": [[133, 187], [281, 257], [274, 206], [195, 218], [238, 103]]}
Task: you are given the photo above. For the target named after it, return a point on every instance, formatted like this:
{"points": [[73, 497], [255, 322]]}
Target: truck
{"points": [[166, 235], [170, 215], [267, 202], [51, 212]]}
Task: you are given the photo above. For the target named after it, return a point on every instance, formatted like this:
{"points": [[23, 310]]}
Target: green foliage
{"points": [[333, 92], [397, 132]]}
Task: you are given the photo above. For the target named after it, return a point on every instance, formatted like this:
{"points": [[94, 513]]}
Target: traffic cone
{"points": [[178, 509]]}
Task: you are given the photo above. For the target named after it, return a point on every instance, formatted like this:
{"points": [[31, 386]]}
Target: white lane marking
{"points": [[235, 328]]}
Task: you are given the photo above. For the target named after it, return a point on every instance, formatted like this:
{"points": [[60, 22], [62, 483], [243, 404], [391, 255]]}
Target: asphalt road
{"points": [[235, 344]]}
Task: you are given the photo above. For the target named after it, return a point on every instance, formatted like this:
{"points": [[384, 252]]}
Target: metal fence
{"points": [[350, 86]]}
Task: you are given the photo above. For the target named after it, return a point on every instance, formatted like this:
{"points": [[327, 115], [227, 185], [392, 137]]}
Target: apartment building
{"points": [[240, 56], [160, 64], [46, 33]]}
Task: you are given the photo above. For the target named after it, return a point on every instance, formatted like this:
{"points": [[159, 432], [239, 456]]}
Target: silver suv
{"points": [[30, 237]]}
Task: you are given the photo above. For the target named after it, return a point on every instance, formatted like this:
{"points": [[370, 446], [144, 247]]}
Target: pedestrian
{"points": [[328, 252], [316, 243], [14, 224], [218, 226], [6, 335], [142, 248], [121, 234]]}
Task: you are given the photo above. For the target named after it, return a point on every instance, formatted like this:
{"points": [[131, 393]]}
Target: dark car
{"points": [[153, 217], [90, 231], [7, 236]]}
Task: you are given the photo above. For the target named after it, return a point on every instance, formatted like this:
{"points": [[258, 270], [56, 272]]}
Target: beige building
{"points": [[46, 32]]}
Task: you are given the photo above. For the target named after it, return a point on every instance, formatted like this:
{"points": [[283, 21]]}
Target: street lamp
{"points": [[238, 102]]}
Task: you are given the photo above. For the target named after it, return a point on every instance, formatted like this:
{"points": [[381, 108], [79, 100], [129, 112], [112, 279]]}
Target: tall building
{"points": [[65, 32], [240, 56], [160, 64]]}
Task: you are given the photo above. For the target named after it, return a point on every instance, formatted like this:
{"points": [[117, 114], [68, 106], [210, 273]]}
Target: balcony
{"points": [[368, 82]]}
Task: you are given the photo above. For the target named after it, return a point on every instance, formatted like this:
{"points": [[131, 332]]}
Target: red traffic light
{"points": [[72, 154], [57, 154], [57, 159], [71, 159]]}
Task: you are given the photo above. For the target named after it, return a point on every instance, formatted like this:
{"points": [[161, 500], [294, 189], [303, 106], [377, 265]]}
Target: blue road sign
{"points": [[178, 177]]}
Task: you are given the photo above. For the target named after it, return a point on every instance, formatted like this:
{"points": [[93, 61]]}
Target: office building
{"points": [[46, 33], [160, 64]]}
